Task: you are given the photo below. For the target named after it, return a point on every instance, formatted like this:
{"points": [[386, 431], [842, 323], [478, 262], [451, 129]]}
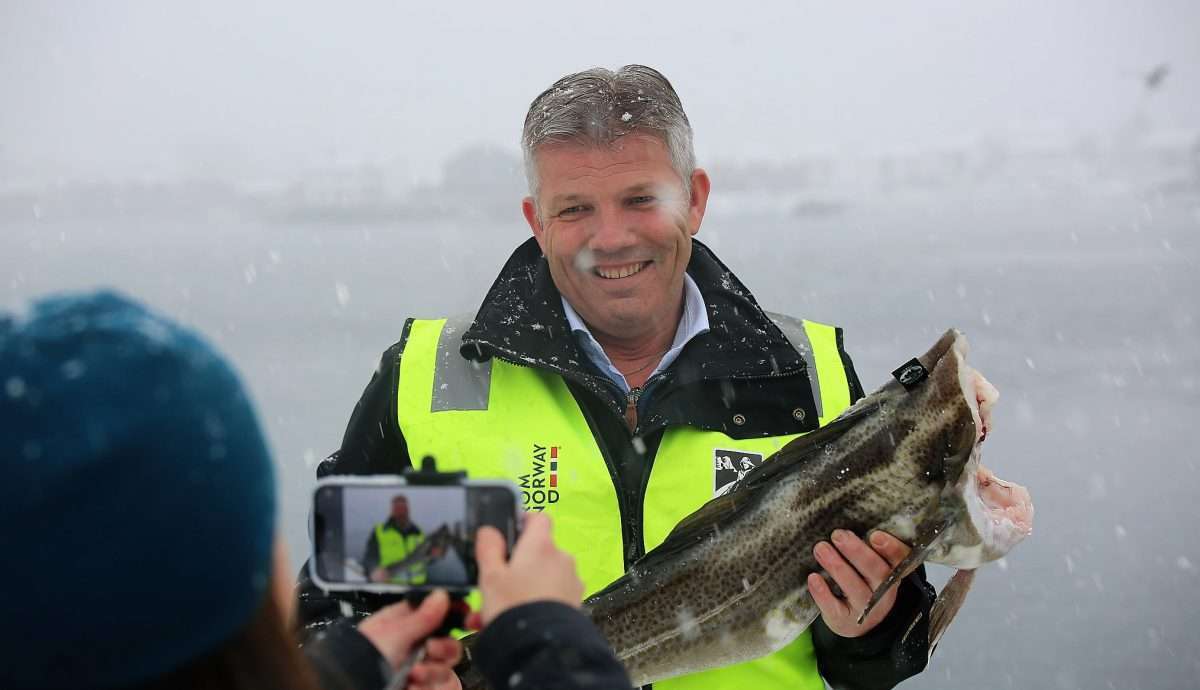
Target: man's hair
{"points": [[597, 106]]}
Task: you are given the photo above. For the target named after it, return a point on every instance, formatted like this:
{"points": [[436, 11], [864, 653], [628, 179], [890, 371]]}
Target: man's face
{"points": [[616, 227], [400, 511]]}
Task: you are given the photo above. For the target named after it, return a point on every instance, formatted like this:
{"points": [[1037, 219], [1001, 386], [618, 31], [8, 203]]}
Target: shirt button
{"points": [[798, 414], [739, 419]]}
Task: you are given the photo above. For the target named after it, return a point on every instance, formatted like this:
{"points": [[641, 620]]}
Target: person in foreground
{"points": [[616, 368], [534, 635], [139, 522], [139, 519]]}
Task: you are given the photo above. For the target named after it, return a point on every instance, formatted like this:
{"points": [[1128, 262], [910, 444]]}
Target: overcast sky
{"points": [[122, 89]]}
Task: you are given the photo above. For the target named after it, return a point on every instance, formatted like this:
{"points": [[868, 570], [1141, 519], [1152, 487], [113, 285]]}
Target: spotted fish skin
{"points": [[729, 583]]}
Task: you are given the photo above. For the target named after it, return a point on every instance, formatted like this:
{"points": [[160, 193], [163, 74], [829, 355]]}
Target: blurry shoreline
{"points": [[485, 181]]}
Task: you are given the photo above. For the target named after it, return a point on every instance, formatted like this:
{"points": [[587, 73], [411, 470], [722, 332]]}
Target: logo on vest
{"points": [[731, 465], [539, 488]]}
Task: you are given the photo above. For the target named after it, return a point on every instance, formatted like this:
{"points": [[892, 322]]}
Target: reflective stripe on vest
{"points": [[395, 547], [500, 420]]}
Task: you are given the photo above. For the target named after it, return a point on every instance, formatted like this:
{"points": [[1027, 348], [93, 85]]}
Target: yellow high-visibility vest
{"points": [[500, 420], [395, 547]]}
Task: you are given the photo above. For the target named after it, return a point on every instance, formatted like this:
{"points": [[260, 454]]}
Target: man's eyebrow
{"points": [[566, 199], [574, 198], [640, 188]]}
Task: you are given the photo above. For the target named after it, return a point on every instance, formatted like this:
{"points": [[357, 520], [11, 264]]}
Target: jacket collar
{"points": [[521, 321]]}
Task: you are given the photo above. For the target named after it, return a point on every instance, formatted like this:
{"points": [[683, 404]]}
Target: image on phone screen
{"points": [[405, 536]]}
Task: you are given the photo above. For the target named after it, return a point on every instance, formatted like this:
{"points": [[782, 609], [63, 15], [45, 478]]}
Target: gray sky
{"points": [[125, 89]]}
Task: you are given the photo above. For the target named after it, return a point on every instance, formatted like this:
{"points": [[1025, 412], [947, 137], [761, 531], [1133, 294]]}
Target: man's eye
{"points": [[642, 199], [571, 210]]}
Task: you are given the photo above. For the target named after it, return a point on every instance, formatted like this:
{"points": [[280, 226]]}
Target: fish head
{"points": [[985, 515]]}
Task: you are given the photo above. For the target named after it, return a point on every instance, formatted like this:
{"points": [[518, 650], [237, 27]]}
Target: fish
{"points": [[729, 583]]}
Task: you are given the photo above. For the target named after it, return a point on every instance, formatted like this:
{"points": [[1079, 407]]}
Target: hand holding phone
{"points": [[396, 630], [537, 571], [384, 534]]}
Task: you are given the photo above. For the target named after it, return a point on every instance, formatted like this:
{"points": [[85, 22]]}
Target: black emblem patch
{"points": [[730, 466], [911, 373]]}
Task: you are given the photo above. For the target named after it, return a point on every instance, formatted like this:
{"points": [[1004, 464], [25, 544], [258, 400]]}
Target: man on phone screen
{"points": [[391, 543]]}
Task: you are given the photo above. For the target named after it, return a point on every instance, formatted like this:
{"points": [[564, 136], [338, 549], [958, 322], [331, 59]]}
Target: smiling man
{"points": [[615, 371]]}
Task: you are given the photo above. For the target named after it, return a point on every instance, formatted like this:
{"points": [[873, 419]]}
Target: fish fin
{"points": [[927, 535], [947, 604]]}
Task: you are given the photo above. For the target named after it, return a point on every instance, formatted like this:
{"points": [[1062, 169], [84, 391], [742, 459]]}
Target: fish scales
{"points": [[728, 584]]}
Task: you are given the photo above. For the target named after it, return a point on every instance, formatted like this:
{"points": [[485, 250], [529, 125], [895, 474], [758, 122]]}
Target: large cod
{"points": [[729, 583]]}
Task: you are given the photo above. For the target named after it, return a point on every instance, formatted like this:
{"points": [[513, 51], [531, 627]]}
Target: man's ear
{"points": [[529, 208], [698, 201]]}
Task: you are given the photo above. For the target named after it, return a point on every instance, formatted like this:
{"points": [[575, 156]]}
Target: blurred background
{"points": [[295, 179]]}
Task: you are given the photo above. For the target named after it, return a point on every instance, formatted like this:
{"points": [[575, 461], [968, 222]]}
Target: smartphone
{"points": [[382, 534]]}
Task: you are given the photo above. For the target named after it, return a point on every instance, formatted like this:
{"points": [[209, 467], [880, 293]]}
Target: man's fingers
{"points": [[853, 586], [891, 548], [490, 549], [870, 565], [830, 605]]}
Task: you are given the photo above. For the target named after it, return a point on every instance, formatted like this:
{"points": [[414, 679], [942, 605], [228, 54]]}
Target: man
{"points": [[614, 359], [390, 543]]}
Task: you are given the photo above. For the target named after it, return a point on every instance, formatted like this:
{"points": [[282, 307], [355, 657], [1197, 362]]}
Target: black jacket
{"points": [[743, 366], [539, 645]]}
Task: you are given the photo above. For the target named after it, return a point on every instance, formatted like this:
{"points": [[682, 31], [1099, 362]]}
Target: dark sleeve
{"points": [[546, 645], [371, 557], [372, 444], [346, 660], [896, 649]]}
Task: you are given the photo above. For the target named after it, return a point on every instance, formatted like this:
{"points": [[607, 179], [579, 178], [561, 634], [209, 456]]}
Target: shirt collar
{"points": [[693, 322]]}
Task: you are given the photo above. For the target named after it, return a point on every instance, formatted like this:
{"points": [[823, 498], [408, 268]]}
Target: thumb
{"points": [[428, 616], [535, 533], [490, 550], [396, 629]]}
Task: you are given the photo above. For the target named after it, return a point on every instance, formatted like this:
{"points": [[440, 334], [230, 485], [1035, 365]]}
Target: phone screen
{"points": [[391, 536]]}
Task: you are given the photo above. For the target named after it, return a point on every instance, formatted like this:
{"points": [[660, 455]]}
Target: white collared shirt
{"points": [[693, 322]]}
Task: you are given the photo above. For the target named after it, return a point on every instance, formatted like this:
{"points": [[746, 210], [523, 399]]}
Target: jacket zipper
{"points": [[631, 411]]}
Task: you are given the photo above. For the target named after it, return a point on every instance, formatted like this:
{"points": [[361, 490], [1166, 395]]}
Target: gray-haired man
{"points": [[614, 359]]}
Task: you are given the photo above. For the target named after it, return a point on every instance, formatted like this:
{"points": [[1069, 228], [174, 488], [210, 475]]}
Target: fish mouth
{"points": [[1000, 512]]}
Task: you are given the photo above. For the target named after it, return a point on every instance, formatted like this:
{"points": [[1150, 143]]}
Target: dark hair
{"points": [[262, 655]]}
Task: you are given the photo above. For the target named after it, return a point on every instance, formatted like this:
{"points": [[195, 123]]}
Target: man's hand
{"points": [[538, 571], [857, 568], [395, 631]]}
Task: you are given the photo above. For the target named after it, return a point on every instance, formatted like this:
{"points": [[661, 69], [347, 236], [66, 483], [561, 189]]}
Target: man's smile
{"points": [[621, 271]]}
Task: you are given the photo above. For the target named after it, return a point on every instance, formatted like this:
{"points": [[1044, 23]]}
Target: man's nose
{"points": [[615, 230]]}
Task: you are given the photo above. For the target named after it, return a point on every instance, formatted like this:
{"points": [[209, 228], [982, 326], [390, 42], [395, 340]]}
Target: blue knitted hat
{"points": [[137, 499]]}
